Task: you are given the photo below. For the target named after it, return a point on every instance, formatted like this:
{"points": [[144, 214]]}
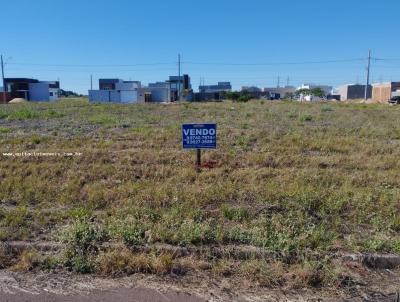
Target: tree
{"points": [[303, 91], [318, 92], [234, 96]]}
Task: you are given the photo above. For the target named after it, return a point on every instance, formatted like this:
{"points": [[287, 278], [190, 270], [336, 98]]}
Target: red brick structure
{"points": [[382, 92]]}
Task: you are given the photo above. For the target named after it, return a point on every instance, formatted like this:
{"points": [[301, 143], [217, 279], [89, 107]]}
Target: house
{"points": [[353, 92], [254, 91], [180, 87], [212, 92], [32, 89], [117, 91], [327, 91], [251, 89], [157, 92], [282, 92], [220, 87], [44, 91], [383, 92]]}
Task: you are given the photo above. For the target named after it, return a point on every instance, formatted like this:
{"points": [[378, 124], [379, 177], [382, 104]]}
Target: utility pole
{"points": [[279, 82], [4, 82], [368, 75], [179, 78], [287, 81], [91, 82]]}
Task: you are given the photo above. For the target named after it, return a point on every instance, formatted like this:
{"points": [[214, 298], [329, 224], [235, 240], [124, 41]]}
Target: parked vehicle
{"points": [[395, 100]]}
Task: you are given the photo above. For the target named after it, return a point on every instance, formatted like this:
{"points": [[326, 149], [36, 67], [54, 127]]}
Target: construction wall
{"points": [[353, 92], [158, 94], [7, 97], [382, 93], [39, 92], [114, 96]]}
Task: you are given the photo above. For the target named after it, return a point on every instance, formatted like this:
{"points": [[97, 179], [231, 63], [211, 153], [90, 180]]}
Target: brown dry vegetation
{"points": [[301, 181]]}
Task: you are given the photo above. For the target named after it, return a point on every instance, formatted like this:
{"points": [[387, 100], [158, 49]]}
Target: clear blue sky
{"points": [[40, 34]]}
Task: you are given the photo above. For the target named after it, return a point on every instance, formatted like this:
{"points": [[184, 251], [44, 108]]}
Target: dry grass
{"points": [[292, 178]]}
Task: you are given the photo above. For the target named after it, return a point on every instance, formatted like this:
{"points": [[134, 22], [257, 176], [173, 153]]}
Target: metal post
{"points": [[4, 83], [179, 77], [198, 161], [368, 74]]}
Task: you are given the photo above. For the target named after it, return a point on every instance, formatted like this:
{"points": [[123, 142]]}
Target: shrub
{"points": [[191, 232], [81, 241], [244, 98], [48, 263], [131, 232], [133, 235]]}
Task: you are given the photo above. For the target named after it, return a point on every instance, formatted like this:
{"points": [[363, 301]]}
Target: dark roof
{"points": [[109, 80], [20, 80]]}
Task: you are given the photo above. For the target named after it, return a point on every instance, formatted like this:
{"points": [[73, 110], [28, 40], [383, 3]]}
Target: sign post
{"points": [[199, 136]]}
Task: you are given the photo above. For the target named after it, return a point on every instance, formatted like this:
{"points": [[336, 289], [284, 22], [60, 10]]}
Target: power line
{"points": [[88, 65], [275, 63], [192, 63]]}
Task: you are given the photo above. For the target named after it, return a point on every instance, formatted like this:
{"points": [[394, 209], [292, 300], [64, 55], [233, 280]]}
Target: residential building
{"points": [[383, 92], [32, 89], [282, 92], [251, 89], [212, 92], [117, 91], [108, 84], [255, 92], [327, 91], [353, 92], [220, 87], [179, 86], [158, 92]]}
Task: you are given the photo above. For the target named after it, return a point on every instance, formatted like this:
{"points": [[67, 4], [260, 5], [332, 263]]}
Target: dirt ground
{"points": [[66, 287]]}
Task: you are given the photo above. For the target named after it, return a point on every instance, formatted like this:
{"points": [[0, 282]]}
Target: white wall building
{"points": [[328, 90], [43, 92], [117, 91]]}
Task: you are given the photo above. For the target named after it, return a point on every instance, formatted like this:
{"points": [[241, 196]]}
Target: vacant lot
{"points": [[290, 187]]}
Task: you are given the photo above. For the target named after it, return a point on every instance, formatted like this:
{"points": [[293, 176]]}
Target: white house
{"points": [[44, 91], [311, 98], [117, 91]]}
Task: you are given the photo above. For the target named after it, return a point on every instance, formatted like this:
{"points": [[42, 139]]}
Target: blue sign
{"points": [[199, 136]]}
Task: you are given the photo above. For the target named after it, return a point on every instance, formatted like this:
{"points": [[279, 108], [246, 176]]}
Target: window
{"points": [[51, 93]]}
